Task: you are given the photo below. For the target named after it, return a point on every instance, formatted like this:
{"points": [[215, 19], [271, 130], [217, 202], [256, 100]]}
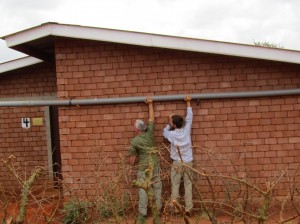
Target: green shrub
{"points": [[114, 205], [76, 212]]}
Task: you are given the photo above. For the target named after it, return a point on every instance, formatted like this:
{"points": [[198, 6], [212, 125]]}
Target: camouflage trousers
{"points": [[157, 188]]}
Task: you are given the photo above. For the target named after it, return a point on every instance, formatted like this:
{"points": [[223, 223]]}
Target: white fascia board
{"points": [[28, 35], [231, 49], [106, 35], [153, 40], [18, 63], [178, 43]]}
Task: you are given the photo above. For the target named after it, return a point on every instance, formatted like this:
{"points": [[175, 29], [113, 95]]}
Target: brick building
{"points": [[249, 100]]}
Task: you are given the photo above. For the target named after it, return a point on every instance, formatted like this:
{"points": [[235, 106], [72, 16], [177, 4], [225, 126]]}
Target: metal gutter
{"points": [[161, 98], [151, 40]]}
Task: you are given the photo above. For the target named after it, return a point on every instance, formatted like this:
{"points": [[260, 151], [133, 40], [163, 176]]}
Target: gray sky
{"points": [[239, 21]]}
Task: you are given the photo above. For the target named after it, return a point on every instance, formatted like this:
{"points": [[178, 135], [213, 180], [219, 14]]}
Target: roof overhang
{"points": [[18, 63], [38, 42]]}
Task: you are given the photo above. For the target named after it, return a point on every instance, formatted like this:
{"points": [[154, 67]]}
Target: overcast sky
{"points": [[239, 21]]}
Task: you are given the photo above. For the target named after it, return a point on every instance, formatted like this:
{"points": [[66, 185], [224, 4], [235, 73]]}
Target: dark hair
{"points": [[178, 121]]}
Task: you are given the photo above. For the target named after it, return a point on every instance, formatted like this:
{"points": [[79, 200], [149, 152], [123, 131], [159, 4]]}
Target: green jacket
{"points": [[141, 145]]}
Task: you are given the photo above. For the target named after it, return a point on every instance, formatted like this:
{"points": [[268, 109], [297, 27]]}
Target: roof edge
{"points": [[18, 63], [28, 35], [152, 40]]}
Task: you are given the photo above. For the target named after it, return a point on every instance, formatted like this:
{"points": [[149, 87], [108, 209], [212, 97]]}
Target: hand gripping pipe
{"points": [[139, 99]]}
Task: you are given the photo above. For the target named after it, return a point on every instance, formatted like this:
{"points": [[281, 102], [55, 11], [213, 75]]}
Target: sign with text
{"points": [[25, 122], [37, 121]]}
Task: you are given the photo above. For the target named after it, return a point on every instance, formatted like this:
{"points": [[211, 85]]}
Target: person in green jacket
{"points": [[141, 146]]}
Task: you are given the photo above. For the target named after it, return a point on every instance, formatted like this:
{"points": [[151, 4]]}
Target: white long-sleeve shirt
{"points": [[181, 138]]}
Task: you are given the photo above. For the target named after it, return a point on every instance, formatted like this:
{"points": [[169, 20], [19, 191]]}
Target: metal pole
{"points": [[139, 99]]}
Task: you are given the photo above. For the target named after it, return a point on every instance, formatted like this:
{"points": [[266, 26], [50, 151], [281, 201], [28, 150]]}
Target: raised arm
{"points": [[149, 101], [189, 113]]}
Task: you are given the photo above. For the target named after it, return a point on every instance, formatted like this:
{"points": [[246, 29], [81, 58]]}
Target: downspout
{"points": [[138, 99]]}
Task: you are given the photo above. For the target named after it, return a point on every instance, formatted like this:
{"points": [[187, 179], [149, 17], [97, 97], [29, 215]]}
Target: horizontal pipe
{"points": [[123, 100]]}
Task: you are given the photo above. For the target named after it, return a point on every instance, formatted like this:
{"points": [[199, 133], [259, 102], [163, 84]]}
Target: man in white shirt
{"points": [[179, 136]]}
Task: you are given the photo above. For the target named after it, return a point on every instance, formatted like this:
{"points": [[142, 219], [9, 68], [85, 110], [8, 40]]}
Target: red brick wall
{"points": [[27, 145], [264, 130], [37, 80]]}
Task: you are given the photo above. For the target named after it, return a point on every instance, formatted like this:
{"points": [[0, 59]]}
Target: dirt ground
{"points": [[203, 219], [37, 215], [34, 215]]}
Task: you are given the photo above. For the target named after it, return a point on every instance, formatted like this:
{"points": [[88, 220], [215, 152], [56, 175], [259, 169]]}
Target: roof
{"points": [[39, 42], [18, 63]]}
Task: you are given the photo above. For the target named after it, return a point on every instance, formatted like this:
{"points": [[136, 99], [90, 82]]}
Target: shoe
{"points": [[188, 213]]}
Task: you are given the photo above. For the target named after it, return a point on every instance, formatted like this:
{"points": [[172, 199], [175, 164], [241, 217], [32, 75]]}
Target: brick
{"points": [[288, 160], [287, 107], [294, 140], [293, 113]]}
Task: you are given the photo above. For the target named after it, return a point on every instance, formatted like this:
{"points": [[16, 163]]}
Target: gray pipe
{"points": [[139, 99]]}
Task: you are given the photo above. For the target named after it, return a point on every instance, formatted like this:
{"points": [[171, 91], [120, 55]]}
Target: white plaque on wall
{"points": [[25, 122]]}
